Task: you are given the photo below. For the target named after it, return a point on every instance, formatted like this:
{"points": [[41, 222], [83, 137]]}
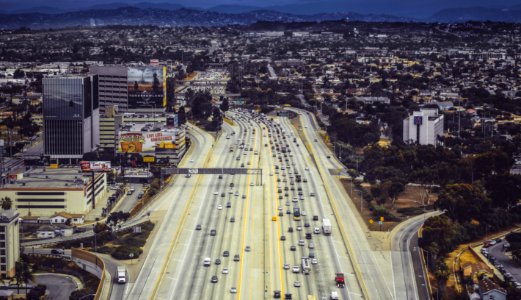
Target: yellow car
{"points": [[274, 218]]}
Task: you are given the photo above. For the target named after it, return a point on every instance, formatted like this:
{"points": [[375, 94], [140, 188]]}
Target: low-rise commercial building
{"points": [[45, 191]]}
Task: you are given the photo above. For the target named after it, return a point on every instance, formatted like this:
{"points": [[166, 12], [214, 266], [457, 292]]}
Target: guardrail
{"points": [[94, 265]]}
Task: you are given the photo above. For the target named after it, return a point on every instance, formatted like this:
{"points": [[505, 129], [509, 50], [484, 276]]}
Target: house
{"points": [[45, 232], [67, 218], [52, 231], [490, 290]]}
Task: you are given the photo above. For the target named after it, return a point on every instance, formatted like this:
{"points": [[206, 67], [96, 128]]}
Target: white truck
{"points": [[334, 296], [122, 274], [326, 226]]}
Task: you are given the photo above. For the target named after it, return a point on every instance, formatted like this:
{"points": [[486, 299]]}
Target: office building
{"points": [[44, 192], [423, 127], [70, 117], [9, 242], [109, 125], [112, 86]]}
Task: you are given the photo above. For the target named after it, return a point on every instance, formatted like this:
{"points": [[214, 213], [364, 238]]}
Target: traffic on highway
{"points": [[270, 233]]}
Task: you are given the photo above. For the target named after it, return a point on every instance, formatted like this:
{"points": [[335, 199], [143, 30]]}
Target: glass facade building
{"points": [[70, 116]]}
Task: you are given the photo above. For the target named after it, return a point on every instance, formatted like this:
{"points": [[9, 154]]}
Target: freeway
{"points": [[248, 231], [172, 203], [371, 267]]}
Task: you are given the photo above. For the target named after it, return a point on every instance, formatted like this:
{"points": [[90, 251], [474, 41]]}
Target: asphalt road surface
{"points": [[59, 286]]}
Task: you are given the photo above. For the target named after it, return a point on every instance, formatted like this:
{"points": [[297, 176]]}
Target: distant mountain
{"points": [[131, 15], [478, 14], [40, 9], [233, 9]]}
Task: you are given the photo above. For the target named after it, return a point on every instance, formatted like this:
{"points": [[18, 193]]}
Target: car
{"points": [[57, 251], [293, 248], [232, 220], [236, 193], [311, 245], [282, 237], [299, 228], [233, 290], [247, 249], [216, 193], [220, 177], [213, 232], [301, 243], [276, 294], [303, 213], [288, 212], [226, 253], [214, 279], [281, 214], [228, 205], [219, 207], [315, 218], [308, 236], [286, 267], [306, 224], [251, 184], [236, 257], [223, 194], [296, 283], [243, 196], [231, 184], [198, 227], [218, 261], [316, 230], [295, 269], [191, 160], [225, 271], [314, 261], [290, 229]]}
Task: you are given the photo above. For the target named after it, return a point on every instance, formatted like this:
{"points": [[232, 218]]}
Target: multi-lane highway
{"points": [[237, 236]]}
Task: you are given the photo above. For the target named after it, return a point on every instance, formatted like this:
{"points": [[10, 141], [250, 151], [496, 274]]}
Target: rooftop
{"points": [[6, 216], [47, 178]]}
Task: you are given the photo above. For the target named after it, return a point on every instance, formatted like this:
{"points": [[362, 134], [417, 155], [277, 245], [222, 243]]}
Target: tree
{"points": [[182, 115], [18, 74], [6, 203], [225, 105], [463, 202], [504, 190], [22, 273]]}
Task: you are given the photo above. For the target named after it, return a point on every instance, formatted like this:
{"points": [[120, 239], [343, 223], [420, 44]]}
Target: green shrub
{"points": [[123, 252]]}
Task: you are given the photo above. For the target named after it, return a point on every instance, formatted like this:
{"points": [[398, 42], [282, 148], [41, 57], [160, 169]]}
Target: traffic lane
{"points": [[330, 266], [510, 266], [180, 258], [362, 255], [152, 266], [59, 286]]}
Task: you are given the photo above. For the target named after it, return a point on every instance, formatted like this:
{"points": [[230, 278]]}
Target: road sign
{"points": [[382, 219], [371, 221]]}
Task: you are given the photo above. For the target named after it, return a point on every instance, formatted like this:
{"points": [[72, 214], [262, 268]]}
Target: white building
{"points": [[9, 242], [423, 127], [45, 192]]}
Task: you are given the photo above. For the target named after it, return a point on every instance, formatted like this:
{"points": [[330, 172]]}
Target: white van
{"points": [[207, 262]]}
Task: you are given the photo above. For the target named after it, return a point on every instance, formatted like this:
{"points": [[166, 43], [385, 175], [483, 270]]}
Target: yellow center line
{"points": [[244, 224]]}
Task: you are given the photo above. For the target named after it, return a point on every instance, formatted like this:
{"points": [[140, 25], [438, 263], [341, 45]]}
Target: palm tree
{"points": [[23, 274], [6, 203]]}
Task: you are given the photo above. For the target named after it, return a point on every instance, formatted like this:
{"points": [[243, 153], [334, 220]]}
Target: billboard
{"points": [[146, 87], [139, 142], [96, 166]]}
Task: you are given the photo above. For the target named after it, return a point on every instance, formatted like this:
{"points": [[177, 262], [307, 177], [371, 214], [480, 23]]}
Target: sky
{"points": [[396, 7]]}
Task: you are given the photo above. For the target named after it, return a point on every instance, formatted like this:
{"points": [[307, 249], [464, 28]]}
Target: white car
{"points": [[286, 267], [296, 269], [219, 207], [225, 271], [191, 160], [297, 283], [251, 183], [216, 193], [314, 261]]}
